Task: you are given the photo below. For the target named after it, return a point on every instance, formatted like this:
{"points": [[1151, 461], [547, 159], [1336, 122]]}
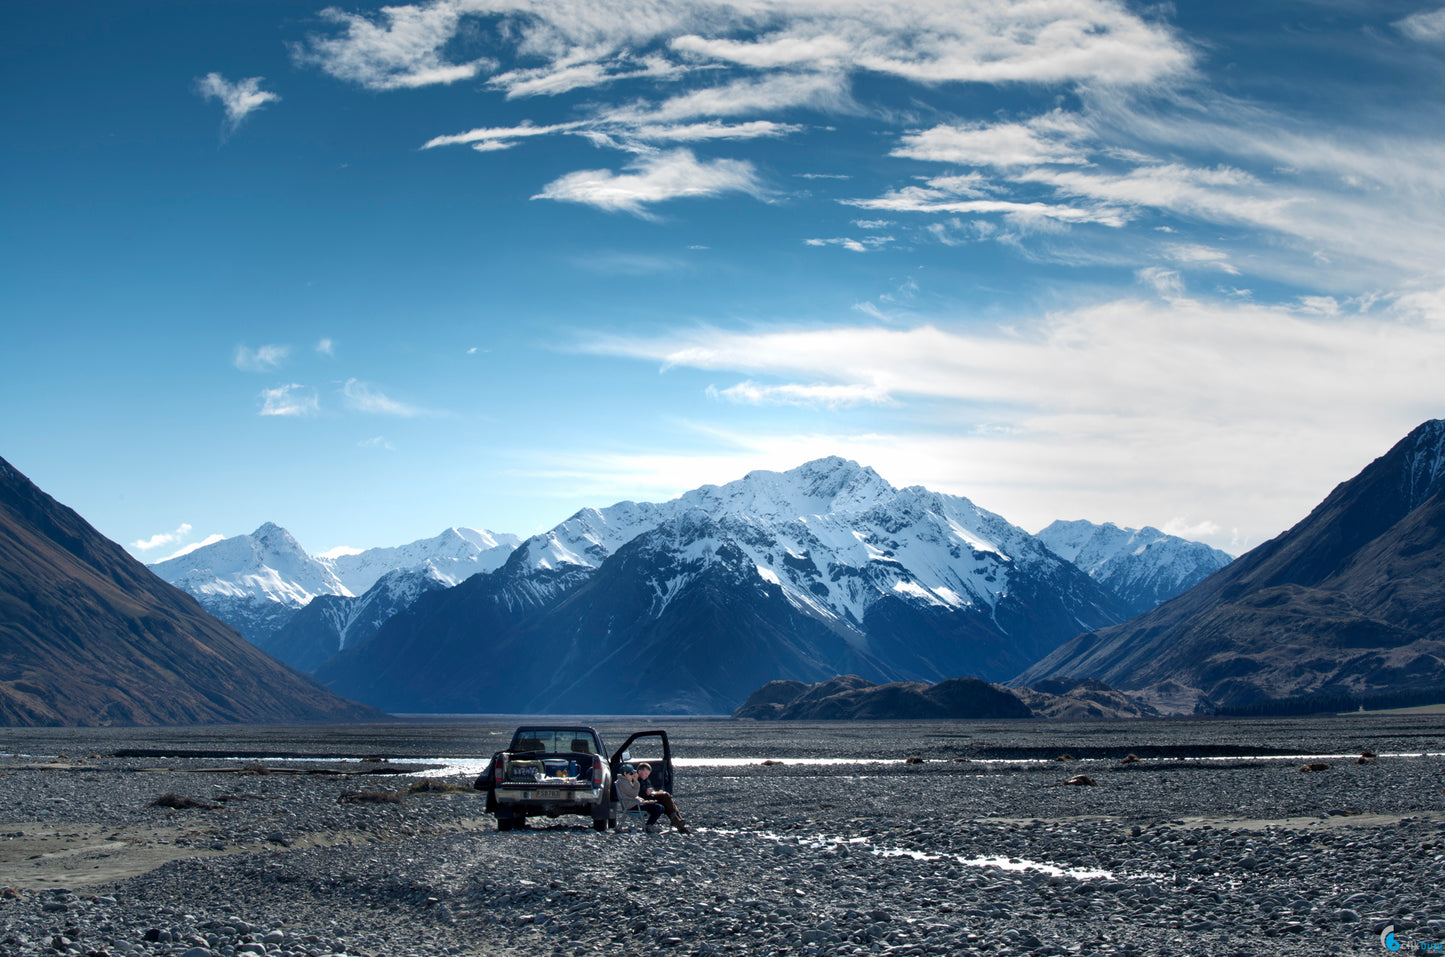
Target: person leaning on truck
{"points": [[662, 798]]}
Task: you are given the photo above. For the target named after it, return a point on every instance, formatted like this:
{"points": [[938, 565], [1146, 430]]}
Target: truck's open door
{"points": [[654, 748]]}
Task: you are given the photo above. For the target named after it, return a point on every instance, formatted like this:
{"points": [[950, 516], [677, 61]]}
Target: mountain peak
{"points": [[268, 564], [1424, 450], [273, 536]]}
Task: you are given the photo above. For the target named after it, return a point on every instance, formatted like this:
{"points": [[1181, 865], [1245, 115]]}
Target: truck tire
{"points": [[599, 824]]}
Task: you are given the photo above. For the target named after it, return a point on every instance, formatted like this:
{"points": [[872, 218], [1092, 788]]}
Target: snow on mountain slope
{"points": [[1425, 462], [454, 555], [257, 583], [1144, 566], [268, 564], [834, 535]]}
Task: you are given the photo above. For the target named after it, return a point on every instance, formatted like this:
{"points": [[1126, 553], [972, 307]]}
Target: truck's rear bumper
{"points": [[514, 794]]}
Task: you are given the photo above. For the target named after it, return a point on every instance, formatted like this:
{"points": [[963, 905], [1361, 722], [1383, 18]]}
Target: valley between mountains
{"points": [[822, 591], [688, 606]]}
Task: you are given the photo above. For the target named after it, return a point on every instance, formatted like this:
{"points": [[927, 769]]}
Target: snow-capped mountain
{"points": [[1143, 566], [254, 583], [832, 534], [257, 582], [685, 605], [454, 555], [267, 564]]}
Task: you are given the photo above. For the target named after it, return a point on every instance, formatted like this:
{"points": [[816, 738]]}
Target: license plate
{"points": [[547, 794]]}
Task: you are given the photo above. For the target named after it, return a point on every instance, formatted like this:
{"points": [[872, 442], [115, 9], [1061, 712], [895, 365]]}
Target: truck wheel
{"points": [[599, 824], [504, 823]]}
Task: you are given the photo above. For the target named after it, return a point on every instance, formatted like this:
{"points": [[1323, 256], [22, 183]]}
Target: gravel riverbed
{"points": [[1214, 842]]}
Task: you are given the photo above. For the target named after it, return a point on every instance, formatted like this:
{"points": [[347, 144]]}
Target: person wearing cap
{"points": [[629, 792], [669, 806]]}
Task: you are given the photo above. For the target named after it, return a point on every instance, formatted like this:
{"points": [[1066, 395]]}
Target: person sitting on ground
{"points": [[644, 770], [629, 792]]}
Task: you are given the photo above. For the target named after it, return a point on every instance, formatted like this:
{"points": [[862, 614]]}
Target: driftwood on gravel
{"points": [[370, 797], [180, 803]]}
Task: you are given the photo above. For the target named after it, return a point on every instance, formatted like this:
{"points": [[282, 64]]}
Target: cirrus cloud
{"points": [[363, 397], [653, 179], [1150, 402], [240, 99], [262, 359], [292, 400], [162, 538]]}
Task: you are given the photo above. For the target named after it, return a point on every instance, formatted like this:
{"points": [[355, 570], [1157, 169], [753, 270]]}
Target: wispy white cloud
{"points": [[712, 130], [1146, 137], [587, 43], [162, 538], [1216, 194], [187, 549], [240, 99], [653, 179], [1143, 403], [745, 59], [824, 92], [1166, 282], [504, 134], [966, 40], [825, 395], [403, 49], [863, 245], [289, 400], [1427, 26], [376, 442], [325, 347], [615, 134], [930, 199], [1192, 254], [564, 76], [363, 397], [263, 359], [1051, 138]]}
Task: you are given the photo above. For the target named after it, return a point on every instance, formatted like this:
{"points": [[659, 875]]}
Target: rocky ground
{"points": [[1204, 846]]}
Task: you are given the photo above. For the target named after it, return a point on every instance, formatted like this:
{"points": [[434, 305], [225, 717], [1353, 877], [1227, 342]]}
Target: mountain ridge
{"points": [[89, 636], [689, 604], [1349, 601], [1143, 566]]}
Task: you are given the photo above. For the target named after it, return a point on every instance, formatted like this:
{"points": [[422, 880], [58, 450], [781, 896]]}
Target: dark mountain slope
{"points": [[89, 636], [659, 627], [454, 650], [1348, 601]]}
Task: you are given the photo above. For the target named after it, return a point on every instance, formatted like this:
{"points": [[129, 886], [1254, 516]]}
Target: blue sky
{"points": [[370, 272]]}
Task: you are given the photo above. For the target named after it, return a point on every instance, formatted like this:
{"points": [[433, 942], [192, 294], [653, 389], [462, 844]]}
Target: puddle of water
{"points": [[855, 844]]}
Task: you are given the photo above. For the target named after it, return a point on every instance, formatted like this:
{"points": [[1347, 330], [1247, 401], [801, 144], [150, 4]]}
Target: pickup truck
{"points": [[553, 770]]}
